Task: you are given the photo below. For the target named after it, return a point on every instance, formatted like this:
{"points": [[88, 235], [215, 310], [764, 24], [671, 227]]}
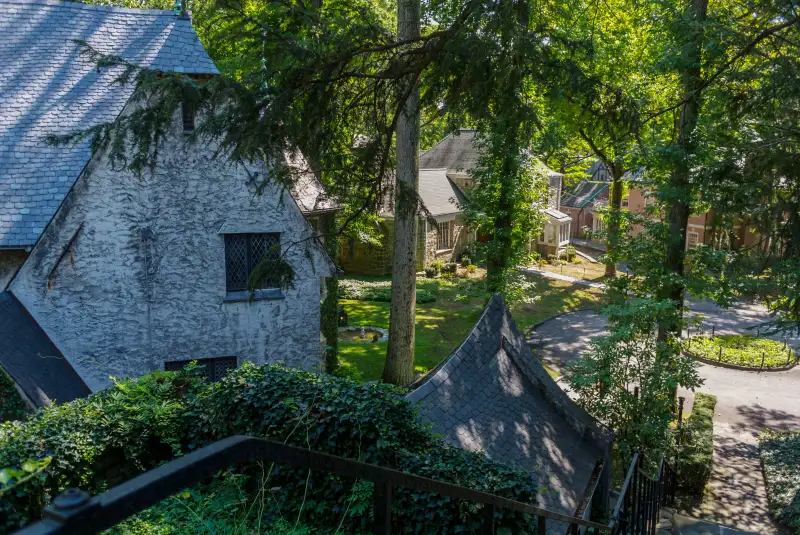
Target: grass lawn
{"points": [[583, 270], [443, 325]]}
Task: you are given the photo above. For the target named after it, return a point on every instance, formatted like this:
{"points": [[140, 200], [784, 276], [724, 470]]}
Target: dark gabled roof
{"points": [[30, 358], [493, 396], [438, 192], [583, 194], [456, 152], [48, 88]]}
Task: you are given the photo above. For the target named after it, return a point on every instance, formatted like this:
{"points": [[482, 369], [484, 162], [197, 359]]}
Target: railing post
{"points": [[488, 519], [541, 525], [382, 514]]}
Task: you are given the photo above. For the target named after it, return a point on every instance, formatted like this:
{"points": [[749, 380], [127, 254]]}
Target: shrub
{"points": [[438, 265], [430, 272], [471, 268], [12, 406], [450, 267], [553, 259], [696, 448], [376, 291], [138, 423], [742, 350], [465, 260], [780, 458], [570, 253]]}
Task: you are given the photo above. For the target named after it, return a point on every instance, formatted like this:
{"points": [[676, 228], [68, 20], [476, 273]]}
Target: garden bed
{"points": [[741, 352], [780, 460]]}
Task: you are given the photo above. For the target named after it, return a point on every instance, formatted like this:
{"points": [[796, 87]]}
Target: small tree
{"points": [[632, 359]]}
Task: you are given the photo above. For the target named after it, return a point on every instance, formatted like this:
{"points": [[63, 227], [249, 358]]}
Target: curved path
{"points": [[747, 402]]}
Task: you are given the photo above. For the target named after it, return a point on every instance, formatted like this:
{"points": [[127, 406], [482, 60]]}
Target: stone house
{"points": [[444, 186], [107, 273]]}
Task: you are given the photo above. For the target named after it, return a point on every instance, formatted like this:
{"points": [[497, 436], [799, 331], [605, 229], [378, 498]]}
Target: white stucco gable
{"points": [[131, 272]]}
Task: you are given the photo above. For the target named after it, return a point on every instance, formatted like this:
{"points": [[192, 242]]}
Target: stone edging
{"points": [[356, 328], [730, 366]]}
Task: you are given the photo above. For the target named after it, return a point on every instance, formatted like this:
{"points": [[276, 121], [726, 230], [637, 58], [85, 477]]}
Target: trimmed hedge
{"points": [[695, 454], [780, 458], [376, 291], [741, 350], [115, 434]]}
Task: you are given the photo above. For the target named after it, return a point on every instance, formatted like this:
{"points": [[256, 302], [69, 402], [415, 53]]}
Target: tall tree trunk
{"points": [[330, 306], [499, 253], [614, 221], [399, 367], [680, 183]]}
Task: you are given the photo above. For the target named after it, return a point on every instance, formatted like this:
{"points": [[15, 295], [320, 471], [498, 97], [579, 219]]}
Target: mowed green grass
{"points": [[443, 325]]}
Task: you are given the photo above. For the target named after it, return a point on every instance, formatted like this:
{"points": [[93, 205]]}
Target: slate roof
{"points": [[583, 194], [457, 153], [492, 395], [46, 88], [439, 193], [307, 190], [31, 359]]}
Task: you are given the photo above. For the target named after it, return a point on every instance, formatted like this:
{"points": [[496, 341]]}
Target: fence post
{"points": [[763, 355], [713, 329], [789, 356], [681, 399], [541, 525], [382, 502], [488, 519], [719, 358]]}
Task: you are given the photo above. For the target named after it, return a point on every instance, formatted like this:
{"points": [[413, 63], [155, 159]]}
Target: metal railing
{"points": [[642, 497], [75, 512]]}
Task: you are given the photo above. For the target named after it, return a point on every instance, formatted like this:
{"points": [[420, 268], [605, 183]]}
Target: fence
{"points": [[75, 512], [642, 497]]}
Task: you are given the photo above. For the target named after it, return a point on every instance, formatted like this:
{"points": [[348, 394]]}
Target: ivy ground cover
{"points": [[741, 350], [780, 457]]}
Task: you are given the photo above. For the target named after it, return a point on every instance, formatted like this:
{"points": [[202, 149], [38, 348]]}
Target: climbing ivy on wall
{"points": [[12, 406]]}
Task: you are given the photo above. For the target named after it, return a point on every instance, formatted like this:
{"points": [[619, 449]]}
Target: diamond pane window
{"points": [[214, 368], [243, 252]]}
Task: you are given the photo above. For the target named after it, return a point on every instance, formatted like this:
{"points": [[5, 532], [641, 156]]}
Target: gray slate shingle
{"points": [[47, 88], [498, 399], [439, 193]]}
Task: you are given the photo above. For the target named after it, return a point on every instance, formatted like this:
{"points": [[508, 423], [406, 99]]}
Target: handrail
{"points": [[75, 512], [642, 497], [624, 490]]}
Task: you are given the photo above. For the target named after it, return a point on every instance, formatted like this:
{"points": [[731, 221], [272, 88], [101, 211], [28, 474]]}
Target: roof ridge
{"points": [[94, 7], [451, 134]]}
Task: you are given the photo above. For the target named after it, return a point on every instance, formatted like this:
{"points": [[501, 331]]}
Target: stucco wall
{"points": [[10, 261], [144, 280]]}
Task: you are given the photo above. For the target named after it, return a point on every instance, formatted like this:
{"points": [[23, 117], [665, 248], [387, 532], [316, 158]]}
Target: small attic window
{"points": [[189, 112]]}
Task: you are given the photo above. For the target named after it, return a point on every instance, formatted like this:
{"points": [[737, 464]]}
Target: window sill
{"points": [[269, 294], [442, 251]]}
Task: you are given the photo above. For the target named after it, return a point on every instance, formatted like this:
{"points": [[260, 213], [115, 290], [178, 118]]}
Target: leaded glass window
{"points": [[213, 368], [243, 252]]}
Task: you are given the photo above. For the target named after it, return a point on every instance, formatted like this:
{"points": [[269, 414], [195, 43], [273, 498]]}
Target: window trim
{"points": [[689, 235], [440, 244]]}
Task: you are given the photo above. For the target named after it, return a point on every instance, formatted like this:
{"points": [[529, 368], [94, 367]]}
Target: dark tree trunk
{"points": [[330, 306], [399, 367], [614, 220], [680, 183]]}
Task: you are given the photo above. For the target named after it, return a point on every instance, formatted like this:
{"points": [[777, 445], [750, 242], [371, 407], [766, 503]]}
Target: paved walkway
{"points": [[747, 402], [558, 276]]}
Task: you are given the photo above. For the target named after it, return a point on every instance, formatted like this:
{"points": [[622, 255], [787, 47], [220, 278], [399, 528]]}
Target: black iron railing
{"points": [[75, 512], [642, 497]]}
